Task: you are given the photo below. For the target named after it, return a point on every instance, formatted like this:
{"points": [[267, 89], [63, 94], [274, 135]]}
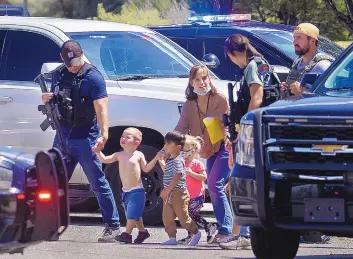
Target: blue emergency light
{"points": [[220, 18]]}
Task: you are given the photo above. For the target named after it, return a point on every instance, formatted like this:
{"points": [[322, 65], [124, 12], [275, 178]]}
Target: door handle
{"points": [[5, 99]]}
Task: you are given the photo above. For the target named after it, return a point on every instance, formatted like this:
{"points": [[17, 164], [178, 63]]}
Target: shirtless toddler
{"points": [[131, 162]]}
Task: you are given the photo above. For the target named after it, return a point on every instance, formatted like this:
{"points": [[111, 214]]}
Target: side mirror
{"points": [[211, 60], [47, 67], [309, 79]]}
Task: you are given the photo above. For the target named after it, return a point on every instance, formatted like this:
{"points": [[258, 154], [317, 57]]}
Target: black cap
{"points": [[71, 52]]}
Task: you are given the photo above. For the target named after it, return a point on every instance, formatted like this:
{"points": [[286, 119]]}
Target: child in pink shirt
{"points": [[195, 177]]}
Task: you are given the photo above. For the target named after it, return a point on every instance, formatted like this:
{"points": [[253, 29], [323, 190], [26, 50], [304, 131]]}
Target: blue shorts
{"points": [[134, 203]]}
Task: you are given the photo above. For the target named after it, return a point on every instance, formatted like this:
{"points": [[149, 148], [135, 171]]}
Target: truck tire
{"points": [[152, 182], [274, 244]]}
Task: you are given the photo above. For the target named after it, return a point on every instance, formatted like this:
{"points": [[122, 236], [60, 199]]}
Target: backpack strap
{"points": [[84, 70]]}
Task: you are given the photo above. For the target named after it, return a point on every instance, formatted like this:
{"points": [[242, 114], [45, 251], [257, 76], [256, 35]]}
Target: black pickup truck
{"points": [[33, 198], [293, 172]]}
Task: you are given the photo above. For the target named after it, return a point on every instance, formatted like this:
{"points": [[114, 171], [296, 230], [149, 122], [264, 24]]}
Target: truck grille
{"points": [[293, 141], [293, 157], [314, 133]]}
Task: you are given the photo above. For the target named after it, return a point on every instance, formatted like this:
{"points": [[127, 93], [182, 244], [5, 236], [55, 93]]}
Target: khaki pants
{"points": [[177, 206]]}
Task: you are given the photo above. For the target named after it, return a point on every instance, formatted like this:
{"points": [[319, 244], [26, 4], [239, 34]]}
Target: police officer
{"points": [[84, 124], [259, 85], [309, 58]]}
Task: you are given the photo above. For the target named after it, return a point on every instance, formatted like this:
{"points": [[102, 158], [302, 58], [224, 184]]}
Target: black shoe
{"points": [[211, 232], [142, 236], [124, 238], [185, 240]]}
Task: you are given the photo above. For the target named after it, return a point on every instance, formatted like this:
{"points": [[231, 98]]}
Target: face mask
{"points": [[202, 93]]}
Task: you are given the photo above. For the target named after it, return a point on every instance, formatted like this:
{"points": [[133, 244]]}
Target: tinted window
{"points": [[181, 42], [25, 53], [284, 41], [194, 46], [227, 69], [281, 39], [329, 47], [2, 38], [119, 54]]}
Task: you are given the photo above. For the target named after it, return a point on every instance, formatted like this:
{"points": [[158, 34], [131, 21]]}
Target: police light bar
{"points": [[221, 18]]}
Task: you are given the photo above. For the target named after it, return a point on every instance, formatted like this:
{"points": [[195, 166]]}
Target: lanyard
{"points": [[205, 115]]}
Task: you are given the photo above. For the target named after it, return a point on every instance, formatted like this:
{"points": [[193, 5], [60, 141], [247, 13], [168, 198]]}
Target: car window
{"points": [[181, 42], [341, 76], [329, 47], [119, 54], [2, 39], [284, 41], [280, 39], [226, 69], [24, 54]]}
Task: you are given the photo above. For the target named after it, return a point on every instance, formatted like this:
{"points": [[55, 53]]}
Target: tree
{"points": [[344, 18]]}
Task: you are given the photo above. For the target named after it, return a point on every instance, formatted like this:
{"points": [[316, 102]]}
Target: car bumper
{"points": [[243, 196], [271, 209]]}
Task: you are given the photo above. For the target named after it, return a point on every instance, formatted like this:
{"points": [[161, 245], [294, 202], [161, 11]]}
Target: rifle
{"points": [[50, 109]]}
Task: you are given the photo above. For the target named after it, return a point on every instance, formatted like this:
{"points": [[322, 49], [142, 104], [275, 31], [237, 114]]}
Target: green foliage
{"points": [[132, 15], [294, 12]]}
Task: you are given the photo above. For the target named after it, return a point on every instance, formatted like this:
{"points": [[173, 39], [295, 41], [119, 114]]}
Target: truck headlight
{"points": [[245, 145]]}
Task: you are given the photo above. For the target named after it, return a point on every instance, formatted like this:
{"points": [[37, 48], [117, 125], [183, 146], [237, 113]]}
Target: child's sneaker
{"points": [[185, 240], [170, 241], [211, 233], [195, 239], [142, 236], [124, 238]]}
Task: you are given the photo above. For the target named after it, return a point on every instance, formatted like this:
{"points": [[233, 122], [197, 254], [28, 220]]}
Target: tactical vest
{"points": [[296, 74], [272, 88], [75, 110]]}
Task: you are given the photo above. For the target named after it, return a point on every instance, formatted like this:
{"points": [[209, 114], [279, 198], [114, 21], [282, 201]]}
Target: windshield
{"points": [[124, 54], [341, 77], [284, 41]]}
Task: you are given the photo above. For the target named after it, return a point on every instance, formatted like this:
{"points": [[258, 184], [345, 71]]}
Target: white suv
{"points": [[146, 76]]}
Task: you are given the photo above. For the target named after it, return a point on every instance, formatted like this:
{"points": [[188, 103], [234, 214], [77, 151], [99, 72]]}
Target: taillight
{"points": [[21, 196], [44, 196]]}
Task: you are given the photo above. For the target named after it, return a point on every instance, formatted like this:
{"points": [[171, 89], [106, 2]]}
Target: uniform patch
{"points": [[263, 69]]}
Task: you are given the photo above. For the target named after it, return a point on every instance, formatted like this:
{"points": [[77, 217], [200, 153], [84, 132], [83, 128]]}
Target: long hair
{"points": [[240, 43], [189, 94]]}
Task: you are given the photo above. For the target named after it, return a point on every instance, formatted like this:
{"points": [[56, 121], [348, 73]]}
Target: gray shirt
{"points": [[252, 75], [175, 165]]}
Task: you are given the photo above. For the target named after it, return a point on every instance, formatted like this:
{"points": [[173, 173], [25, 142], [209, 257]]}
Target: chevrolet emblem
{"points": [[329, 149]]}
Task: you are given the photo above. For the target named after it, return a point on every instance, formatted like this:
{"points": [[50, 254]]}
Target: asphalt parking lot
{"points": [[80, 241]]}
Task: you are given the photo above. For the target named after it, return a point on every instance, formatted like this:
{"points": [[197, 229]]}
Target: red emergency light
{"points": [[44, 196]]}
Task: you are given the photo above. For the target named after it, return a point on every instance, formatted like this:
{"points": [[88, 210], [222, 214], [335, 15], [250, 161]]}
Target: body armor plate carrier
{"points": [[75, 110]]}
